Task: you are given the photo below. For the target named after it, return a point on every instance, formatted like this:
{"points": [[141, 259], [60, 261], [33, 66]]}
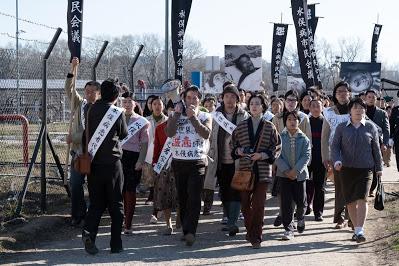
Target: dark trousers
{"points": [[340, 211], [374, 183], [207, 197], [78, 203], [315, 188], [292, 191], [105, 191], [189, 177], [396, 147], [131, 181], [252, 207], [229, 196]]}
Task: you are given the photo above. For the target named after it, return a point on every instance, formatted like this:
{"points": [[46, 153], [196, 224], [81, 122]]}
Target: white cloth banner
{"points": [[334, 120], [187, 144], [103, 128], [82, 112], [134, 128], [223, 122], [164, 157]]}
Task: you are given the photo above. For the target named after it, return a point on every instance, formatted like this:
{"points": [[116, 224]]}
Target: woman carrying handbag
{"points": [[256, 145]]}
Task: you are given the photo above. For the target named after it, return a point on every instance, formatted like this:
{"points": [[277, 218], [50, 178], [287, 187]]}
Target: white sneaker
{"points": [[288, 235], [153, 220], [241, 217]]}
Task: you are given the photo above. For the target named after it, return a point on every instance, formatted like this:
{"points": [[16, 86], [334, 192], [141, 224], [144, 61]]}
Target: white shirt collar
{"points": [[363, 122]]}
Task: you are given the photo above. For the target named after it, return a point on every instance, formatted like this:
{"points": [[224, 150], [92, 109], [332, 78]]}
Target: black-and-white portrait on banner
{"points": [[243, 65], [361, 76], [213, 82]]}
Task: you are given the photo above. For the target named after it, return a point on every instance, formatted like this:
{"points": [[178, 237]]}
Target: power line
{"points": [[28, 40], [41, 25]]}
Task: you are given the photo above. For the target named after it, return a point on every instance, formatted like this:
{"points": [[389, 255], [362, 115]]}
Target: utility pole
{"points": [[17, 54], [166, 39]]}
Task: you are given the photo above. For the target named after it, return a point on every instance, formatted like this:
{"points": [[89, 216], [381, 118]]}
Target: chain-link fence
{"points": [[21, 99]]}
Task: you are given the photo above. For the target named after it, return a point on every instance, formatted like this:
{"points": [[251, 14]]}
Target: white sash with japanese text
{"points": [[334, 120], [165, 156], [134, 128], [103, 128], [187, 144], [82, 112], [223, 122]]}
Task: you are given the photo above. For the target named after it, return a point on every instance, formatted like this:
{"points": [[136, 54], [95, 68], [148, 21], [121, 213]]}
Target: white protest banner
{"points": [[134, 128], [164, 157], [223, 122], [103, 128]]}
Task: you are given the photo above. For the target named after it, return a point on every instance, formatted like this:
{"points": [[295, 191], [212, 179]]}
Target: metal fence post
{"points": [[136, 57], [100, 54]]}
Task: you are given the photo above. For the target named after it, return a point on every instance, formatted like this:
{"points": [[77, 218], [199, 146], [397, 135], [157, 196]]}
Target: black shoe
{"points": [[308, 211], [90, 246], [75, 222], [116, 250], [301, 226], [318, 218], [233, 230], [354, 237], [278, 221], [206, 212], [360, 239]]}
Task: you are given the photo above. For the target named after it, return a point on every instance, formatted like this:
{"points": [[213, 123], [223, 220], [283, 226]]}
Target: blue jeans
{"points": [[78, 203]]}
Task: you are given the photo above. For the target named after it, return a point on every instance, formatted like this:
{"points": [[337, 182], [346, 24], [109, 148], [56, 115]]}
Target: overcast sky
{"points": [[215, 22]]}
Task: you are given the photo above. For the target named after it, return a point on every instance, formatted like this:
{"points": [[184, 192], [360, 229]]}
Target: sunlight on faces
{"points": [[210, 106], [371, 99], [91, 93], [192, 98], [290, 103], [292, 123], [316, 108], [277, 107], [157, 107], [306, 102], [342, 94], [357, 112], [255, 106], [229, 100], [128, 104]]}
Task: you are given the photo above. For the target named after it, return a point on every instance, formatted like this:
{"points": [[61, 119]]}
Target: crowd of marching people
{"points": [[183, 152]]}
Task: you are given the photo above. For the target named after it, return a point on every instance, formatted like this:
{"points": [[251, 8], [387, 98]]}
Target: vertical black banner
{"points": [[374, 42], [75, 25], [312, 19], [180, 14], [305, 44], [279, 39]]}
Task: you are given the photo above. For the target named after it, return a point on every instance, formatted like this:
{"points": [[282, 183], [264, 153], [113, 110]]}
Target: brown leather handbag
{"points": [[82, 162], [244, 179]]}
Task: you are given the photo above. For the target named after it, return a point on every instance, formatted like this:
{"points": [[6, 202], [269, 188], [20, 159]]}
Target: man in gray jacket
{"points": [[380, 118], [223, 165]]}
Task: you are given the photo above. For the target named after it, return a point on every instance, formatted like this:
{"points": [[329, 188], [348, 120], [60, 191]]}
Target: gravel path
{"points": [[320, 244]]}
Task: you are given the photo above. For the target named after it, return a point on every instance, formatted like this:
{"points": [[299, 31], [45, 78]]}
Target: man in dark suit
{"points": [[380, 118]]}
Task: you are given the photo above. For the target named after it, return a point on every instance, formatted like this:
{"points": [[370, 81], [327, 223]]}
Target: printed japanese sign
{"points": [[361, 76], [166, 153], [134, 128], [180, 14], [374, 42], [279, 39], [243, 66], [187, 144], [75, 25], [305, 44]]}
